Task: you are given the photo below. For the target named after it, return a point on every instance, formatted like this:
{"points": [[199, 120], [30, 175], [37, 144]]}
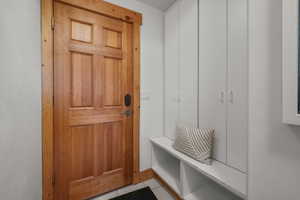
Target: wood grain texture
{"points": [[143, 176], [112, 83], [82, 79], [136, 97], [113, 39], [82, 32], [82, 153], [47, 99], [110, 50], [113, 153], [128, 61], [107, 9], [88, 106]]}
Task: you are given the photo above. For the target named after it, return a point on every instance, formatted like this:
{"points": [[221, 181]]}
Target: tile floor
{"points": [[157, 189]]}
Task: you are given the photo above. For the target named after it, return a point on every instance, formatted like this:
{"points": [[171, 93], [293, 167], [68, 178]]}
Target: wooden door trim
{"points": [[108, 9], [103, 8], [47, 100]]}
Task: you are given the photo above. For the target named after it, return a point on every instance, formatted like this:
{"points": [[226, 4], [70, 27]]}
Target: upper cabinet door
{"points": [[291, 67], [188, 62], [212, 71], [171, 70], [181, 66], [237, 130]]}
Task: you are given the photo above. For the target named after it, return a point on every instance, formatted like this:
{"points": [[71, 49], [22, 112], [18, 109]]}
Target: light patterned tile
{"points": [[162, 194], [152, 183], [159, 191], [131, 188], [107, 196]]}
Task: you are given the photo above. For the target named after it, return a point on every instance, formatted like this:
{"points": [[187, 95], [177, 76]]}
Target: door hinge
{"points": [[52, 23]]}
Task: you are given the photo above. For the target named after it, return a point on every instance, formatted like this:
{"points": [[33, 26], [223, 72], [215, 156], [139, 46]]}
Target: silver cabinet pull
{"points": [[222, 97], [231, 97]]}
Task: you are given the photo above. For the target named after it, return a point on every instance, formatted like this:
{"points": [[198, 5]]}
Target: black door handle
{"points": [[127, 100]]}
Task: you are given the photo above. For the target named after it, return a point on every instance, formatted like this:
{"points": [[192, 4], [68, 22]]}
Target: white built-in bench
{"points": [[191, 179]]}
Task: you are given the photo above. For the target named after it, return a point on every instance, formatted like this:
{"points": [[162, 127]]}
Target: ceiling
{"points": [[160, 4]]}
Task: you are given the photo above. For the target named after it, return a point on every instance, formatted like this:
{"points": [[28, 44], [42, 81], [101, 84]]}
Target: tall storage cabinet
{"points": [[181, 66], [206, 85], [223, 78], [206, 73], [171, 71], [237, 89], [213, 72]]}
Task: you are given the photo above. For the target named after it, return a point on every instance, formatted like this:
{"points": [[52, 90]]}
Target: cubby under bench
{"points": [[192, 180]]}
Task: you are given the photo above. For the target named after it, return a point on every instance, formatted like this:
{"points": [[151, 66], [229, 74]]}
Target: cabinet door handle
{"points": [[231, 97]]}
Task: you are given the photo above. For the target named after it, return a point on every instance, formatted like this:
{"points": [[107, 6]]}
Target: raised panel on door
{"points": [[112, 82], [92, 74], [188, 58], [81, 31], [81, 79], [113, 38], [82, 153], [113, 147], [237, 85], [171, 70], [212, 71]]}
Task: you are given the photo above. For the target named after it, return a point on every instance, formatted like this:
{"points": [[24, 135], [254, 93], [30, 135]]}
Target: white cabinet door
{"points": [[290, 54], [237, 132], [171, 72], [181, 65], [213, 70], [188, 59]]}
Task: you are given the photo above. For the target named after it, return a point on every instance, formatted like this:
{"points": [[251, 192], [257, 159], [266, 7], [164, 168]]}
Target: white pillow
{"points": [[195, 142]]}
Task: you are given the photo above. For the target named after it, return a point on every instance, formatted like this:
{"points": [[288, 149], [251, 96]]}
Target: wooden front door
{"points": [[92, 123]]}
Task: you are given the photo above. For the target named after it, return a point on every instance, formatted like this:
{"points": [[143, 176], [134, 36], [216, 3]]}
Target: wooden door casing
{"points": [[92, 74]]}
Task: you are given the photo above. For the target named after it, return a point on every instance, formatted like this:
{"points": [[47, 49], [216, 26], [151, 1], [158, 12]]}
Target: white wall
{"points": [[20, 104], [274, 148], [152, 44], [20, 93]]}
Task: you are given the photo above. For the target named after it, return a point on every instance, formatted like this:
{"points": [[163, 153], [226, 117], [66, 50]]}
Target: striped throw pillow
{"points": [[195, 142]]}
